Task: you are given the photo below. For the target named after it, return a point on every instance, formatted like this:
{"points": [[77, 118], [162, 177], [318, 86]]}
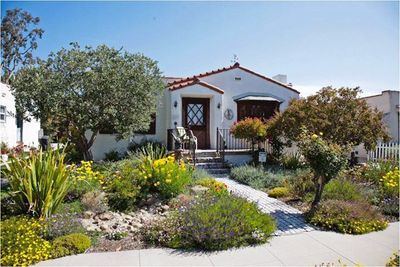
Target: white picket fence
{"points": [[385, 151]]}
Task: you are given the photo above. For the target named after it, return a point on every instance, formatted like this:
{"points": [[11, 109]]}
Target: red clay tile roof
{"points": [[185, 81], [192, 82]]}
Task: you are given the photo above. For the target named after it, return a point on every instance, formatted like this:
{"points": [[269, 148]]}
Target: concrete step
{"points": [[210, 165], [206, 159]]}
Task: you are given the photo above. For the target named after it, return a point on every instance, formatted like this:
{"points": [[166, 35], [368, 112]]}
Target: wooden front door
{"points": [[196, 117]]}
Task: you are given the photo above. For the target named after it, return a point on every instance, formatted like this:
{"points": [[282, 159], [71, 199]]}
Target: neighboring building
{"points": [[388, 103], [207, 102], [13, 131]]}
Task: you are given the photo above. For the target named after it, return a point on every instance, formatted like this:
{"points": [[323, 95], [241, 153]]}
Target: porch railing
{"points": [[221, 144], [235, 144]]}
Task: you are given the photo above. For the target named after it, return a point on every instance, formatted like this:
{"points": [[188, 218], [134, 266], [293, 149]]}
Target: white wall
{"points": [[8, 130], [249, 84], [387, 102]]}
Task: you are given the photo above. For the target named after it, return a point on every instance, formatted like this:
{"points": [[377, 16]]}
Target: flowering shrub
{"points": [[394, 260], [213, 223], [85, 179], [278, 192], [62, 224], [390, 182], [251, 129], [216, 187], [165, 175], [70, 245], [21, 242], [347, 217]]}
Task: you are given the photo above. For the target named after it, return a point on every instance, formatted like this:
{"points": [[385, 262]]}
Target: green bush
{"points": [[347, 217], [112, 155], [341, 189], [278, 192], [39, 182], [213, 223], [292, 162], [21, 242], [255, 177], [216, 187], [123, 184], [70, 245], [300, 183], [198, 174]]}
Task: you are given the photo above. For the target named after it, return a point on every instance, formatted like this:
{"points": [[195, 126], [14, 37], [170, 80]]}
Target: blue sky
{"points": [[314, 43]]}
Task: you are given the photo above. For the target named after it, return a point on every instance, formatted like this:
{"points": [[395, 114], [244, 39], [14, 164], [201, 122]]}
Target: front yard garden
{"points": [[52, 208]]}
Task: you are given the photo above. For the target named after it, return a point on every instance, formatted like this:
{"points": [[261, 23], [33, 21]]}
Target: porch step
{"points": [[210, 165], [206, 159]]}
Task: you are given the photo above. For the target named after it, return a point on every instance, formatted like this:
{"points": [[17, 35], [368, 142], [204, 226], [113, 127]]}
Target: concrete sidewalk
{"points": [[303, 249]]}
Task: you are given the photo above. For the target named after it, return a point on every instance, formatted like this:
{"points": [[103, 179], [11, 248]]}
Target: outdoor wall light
{"points": [[175, 104], [219, 105]]}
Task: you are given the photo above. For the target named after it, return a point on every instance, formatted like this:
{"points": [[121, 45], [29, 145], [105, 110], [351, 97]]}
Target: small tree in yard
{"points": [[325, 159], [77, 90], [253, 130]]}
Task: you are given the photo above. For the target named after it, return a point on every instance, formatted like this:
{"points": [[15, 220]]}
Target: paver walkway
{"points": [[289, 220], [304, 249]]}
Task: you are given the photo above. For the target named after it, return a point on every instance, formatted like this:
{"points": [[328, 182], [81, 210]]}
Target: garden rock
{"points": [[106, 216], [88, 214]]}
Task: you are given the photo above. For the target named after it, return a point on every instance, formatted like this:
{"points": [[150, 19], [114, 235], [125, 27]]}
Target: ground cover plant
{"points": [[347, 217], [22, 241]]}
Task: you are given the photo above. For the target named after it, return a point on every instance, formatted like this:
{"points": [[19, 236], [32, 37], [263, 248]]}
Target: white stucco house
{"points": [[206, 102], [12, 130]]}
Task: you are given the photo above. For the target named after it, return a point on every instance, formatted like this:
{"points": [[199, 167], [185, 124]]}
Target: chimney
{"points": [[280, 78]]}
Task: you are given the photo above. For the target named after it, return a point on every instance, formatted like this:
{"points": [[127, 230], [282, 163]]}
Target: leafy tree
{"points": [[338, 114], [325, 159], [76, 90], [18, 39]]}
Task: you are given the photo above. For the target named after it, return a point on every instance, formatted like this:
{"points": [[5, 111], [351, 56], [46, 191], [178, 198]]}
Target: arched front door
{"points": [[196, 117]]}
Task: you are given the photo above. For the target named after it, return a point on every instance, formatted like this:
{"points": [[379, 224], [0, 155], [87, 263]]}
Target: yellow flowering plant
{"points": [[21, 242], [165, 175], [390, 182], [84, 178]]}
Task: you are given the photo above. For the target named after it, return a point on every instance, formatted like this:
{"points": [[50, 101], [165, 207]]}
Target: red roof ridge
{"points": [[236, 65], [193, 82]]}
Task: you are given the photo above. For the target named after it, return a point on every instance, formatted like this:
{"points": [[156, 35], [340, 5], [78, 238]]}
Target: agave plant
{"points": [[39, 183], [152, 151]]}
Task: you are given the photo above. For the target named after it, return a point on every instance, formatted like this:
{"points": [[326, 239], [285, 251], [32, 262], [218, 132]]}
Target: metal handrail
{"points": [[221, 140]]}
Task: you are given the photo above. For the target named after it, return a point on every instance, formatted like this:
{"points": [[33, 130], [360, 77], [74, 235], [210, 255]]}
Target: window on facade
{"points": [[3, 113], [256, 109]]}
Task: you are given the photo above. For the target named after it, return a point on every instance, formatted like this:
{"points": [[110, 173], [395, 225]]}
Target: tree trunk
{"points": [[84, 145], [319, 186]]}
